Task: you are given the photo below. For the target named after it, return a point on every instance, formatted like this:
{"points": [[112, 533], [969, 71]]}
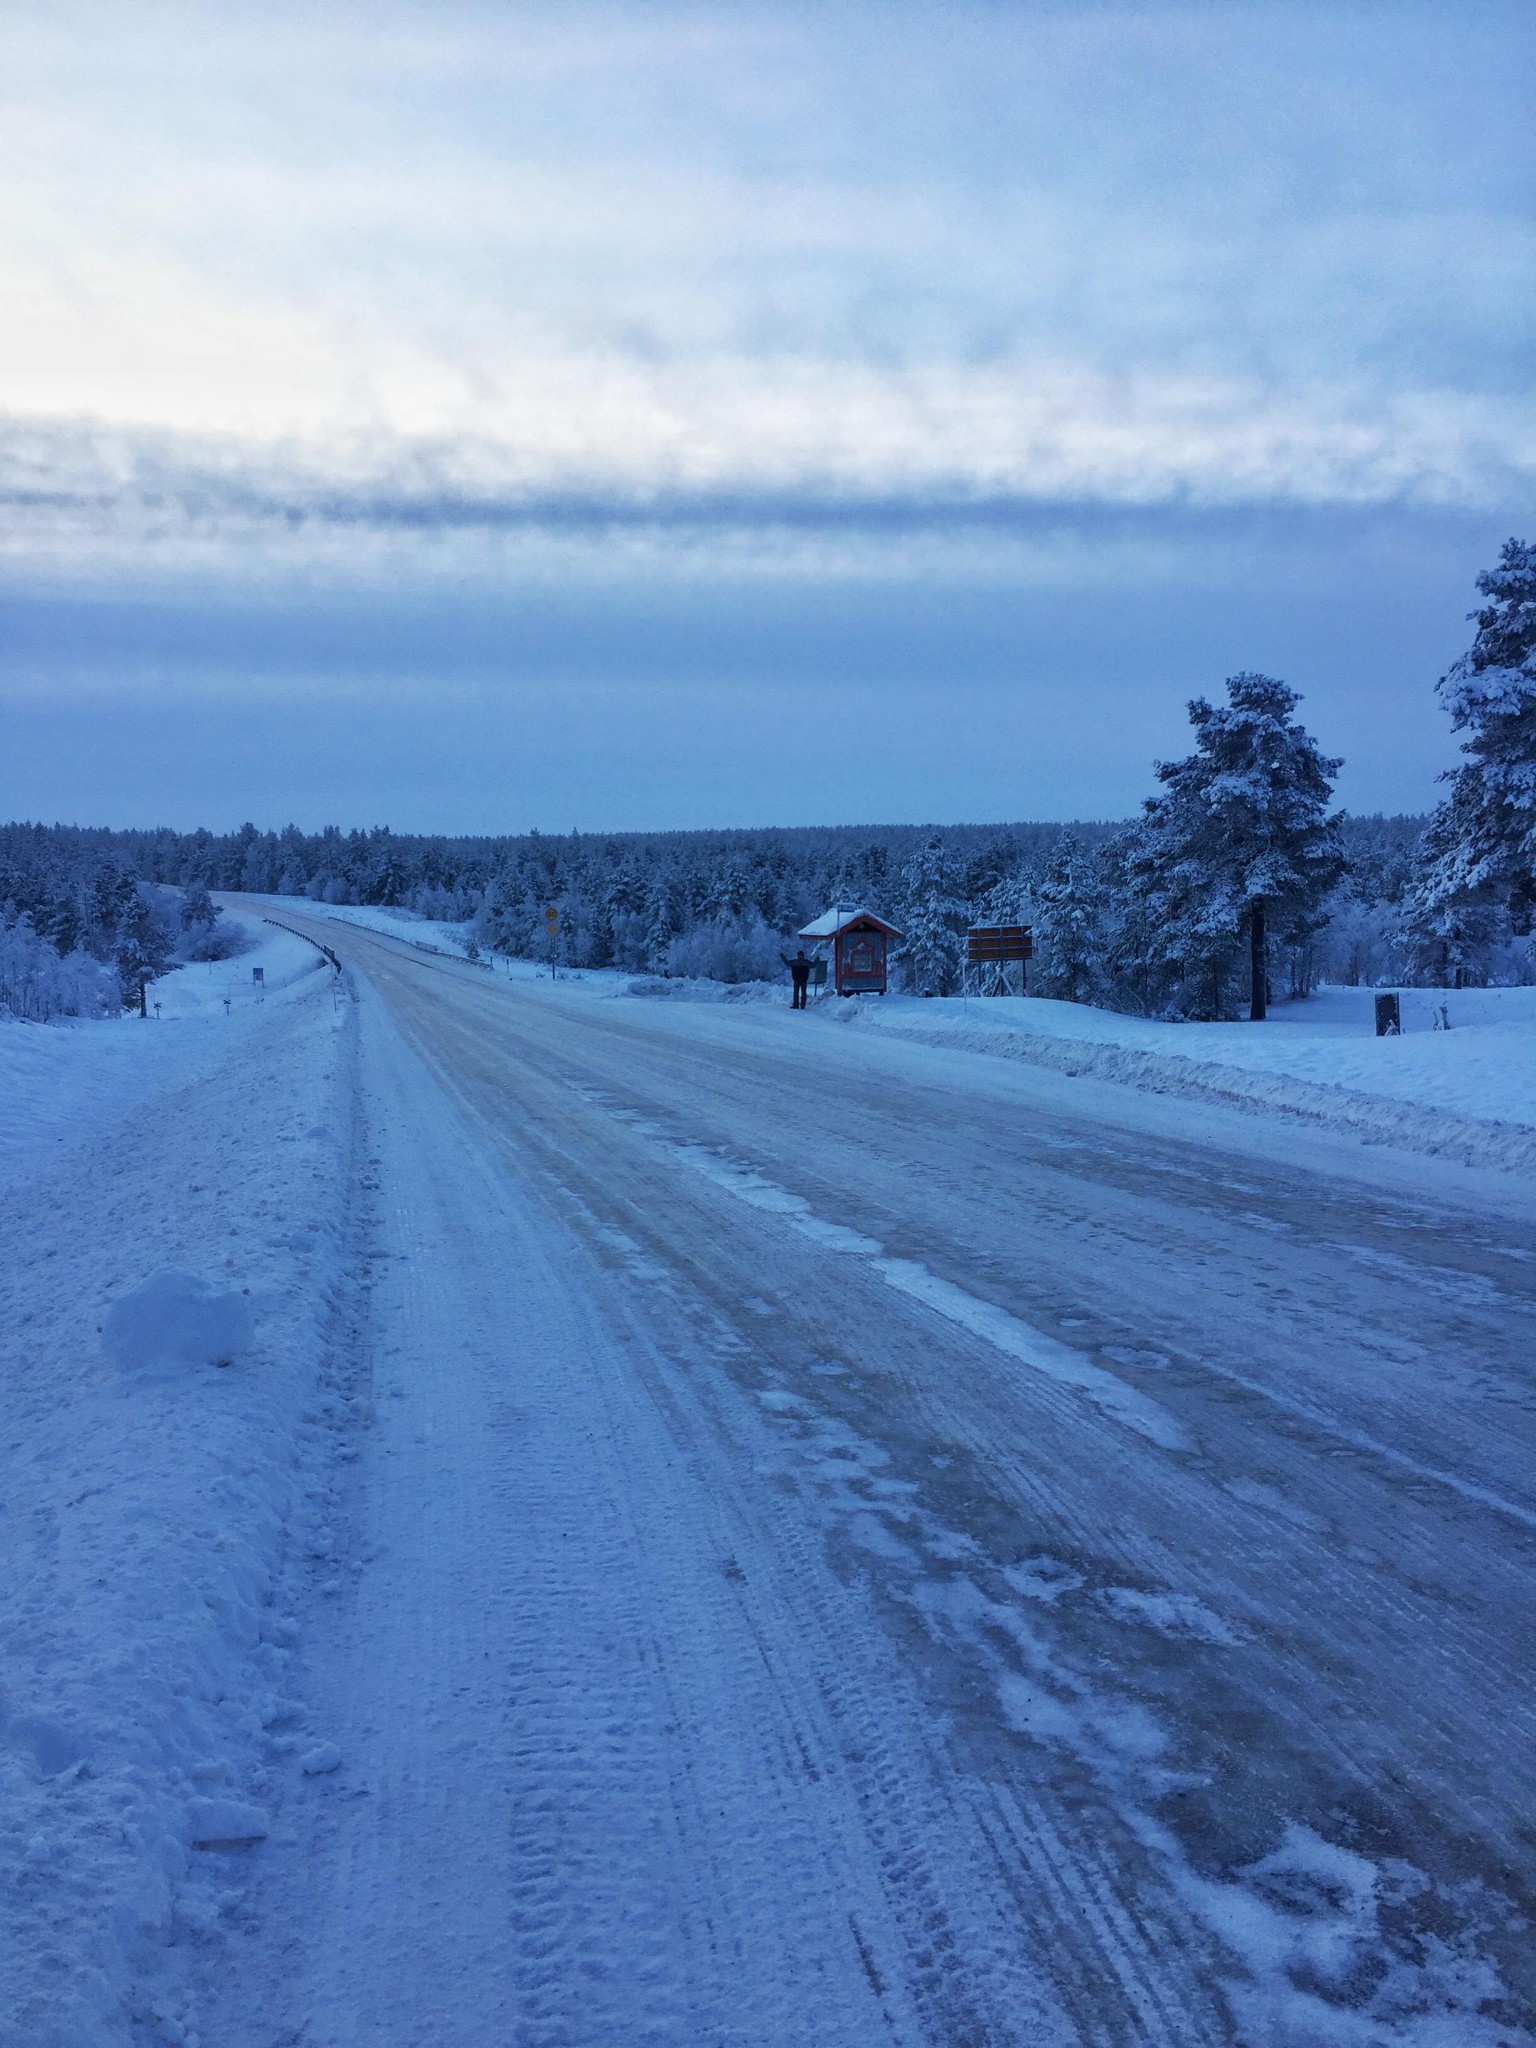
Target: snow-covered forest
{"points": [[84, 931], [1237, 858], [716, 904]]}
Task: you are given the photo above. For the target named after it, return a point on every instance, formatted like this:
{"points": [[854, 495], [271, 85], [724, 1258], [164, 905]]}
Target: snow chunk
{"points": [[176, 1322], [1179, 1615], [225, 1824]]}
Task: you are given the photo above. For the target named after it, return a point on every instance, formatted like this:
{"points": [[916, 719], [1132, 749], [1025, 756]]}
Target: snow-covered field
{"points": [[548, 1514]]}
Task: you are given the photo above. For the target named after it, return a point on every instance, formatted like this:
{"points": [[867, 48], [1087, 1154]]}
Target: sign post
{"points": [[552, 927], [994, 945]]}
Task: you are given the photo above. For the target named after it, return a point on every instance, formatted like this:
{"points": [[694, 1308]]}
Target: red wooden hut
{"points": [[859, 942]]}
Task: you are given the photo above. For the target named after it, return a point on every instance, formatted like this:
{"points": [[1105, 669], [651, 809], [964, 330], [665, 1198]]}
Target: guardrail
{"points": [[294, 933], [400, 938]]}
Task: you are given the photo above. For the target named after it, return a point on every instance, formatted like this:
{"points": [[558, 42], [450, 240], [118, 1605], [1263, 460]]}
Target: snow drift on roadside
{"points": [[1468, 1093], [67, 1082], [168, 1323]]}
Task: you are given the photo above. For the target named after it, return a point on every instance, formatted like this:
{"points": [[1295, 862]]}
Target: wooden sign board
{"points": [[987, 942]]}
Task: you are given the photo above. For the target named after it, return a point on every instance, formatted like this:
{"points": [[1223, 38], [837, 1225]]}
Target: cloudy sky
{"points": [[482, 416]]}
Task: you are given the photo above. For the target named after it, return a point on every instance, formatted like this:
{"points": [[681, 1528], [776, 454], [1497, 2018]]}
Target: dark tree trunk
{"points": [[1259, 954]]}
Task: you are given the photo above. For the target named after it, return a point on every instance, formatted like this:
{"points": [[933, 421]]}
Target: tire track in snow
{"points": [[1008, 1333], [849, 1727], [660, 1243], [572, 1781], [1091, 1945]]}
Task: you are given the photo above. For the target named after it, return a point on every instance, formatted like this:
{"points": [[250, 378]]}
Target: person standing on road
{"points": [[799, 974]]}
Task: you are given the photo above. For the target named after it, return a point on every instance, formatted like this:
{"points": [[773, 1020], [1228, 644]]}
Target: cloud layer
{"points": [[485, 412], [486, 275]]}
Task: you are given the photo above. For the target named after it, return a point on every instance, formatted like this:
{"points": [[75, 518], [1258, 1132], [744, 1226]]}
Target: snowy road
{"points": [[861, 1544]]}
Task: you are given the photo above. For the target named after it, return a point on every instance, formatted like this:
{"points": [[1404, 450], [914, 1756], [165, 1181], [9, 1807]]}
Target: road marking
{"points": [[1005, 1331], [1018, 1339]]}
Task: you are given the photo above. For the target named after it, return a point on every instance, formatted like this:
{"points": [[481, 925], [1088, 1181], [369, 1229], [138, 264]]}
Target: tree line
{"points": [[1238, 884]]}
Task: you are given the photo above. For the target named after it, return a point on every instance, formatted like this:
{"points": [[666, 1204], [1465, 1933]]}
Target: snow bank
{"points": [[1468, 1093], [65, 1083], [153, 1504], [677, 988]]}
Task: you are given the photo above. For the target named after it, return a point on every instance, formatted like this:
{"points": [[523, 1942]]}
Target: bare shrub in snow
{"points": [[36, 983], [728, 949], [220, 941]]}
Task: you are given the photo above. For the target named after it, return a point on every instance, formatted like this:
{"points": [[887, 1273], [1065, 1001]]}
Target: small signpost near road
{"points": [[992, 947], [552, 927]]}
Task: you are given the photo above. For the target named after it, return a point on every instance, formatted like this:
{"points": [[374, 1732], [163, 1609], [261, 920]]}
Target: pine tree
{"points": [[1241, 838], [874, 873], [664, 920], [1071, 944], [1179, 928], [143, 949], [62, 921], [933, 949], [1451, 926], [1481, 843], [197, 909]]}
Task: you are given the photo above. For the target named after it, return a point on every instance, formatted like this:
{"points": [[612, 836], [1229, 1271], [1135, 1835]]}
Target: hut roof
{"points": [[840, 918]]}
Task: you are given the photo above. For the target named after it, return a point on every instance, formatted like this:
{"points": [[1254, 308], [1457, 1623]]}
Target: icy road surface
{"points": [[863, 1545]]}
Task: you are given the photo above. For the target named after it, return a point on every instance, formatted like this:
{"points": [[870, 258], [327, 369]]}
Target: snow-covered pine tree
{"points": [[1481, 843], [933, 949], [1178, 923], [1069, 942], [61, 920], [1241, 837], [1452, 924], [874, 874], [99, 903], [197, 909], [731, 894], [663, 920], [144, 946]]}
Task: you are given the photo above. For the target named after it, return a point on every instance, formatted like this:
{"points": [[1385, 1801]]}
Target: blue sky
{"points": [[485, 416]]}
